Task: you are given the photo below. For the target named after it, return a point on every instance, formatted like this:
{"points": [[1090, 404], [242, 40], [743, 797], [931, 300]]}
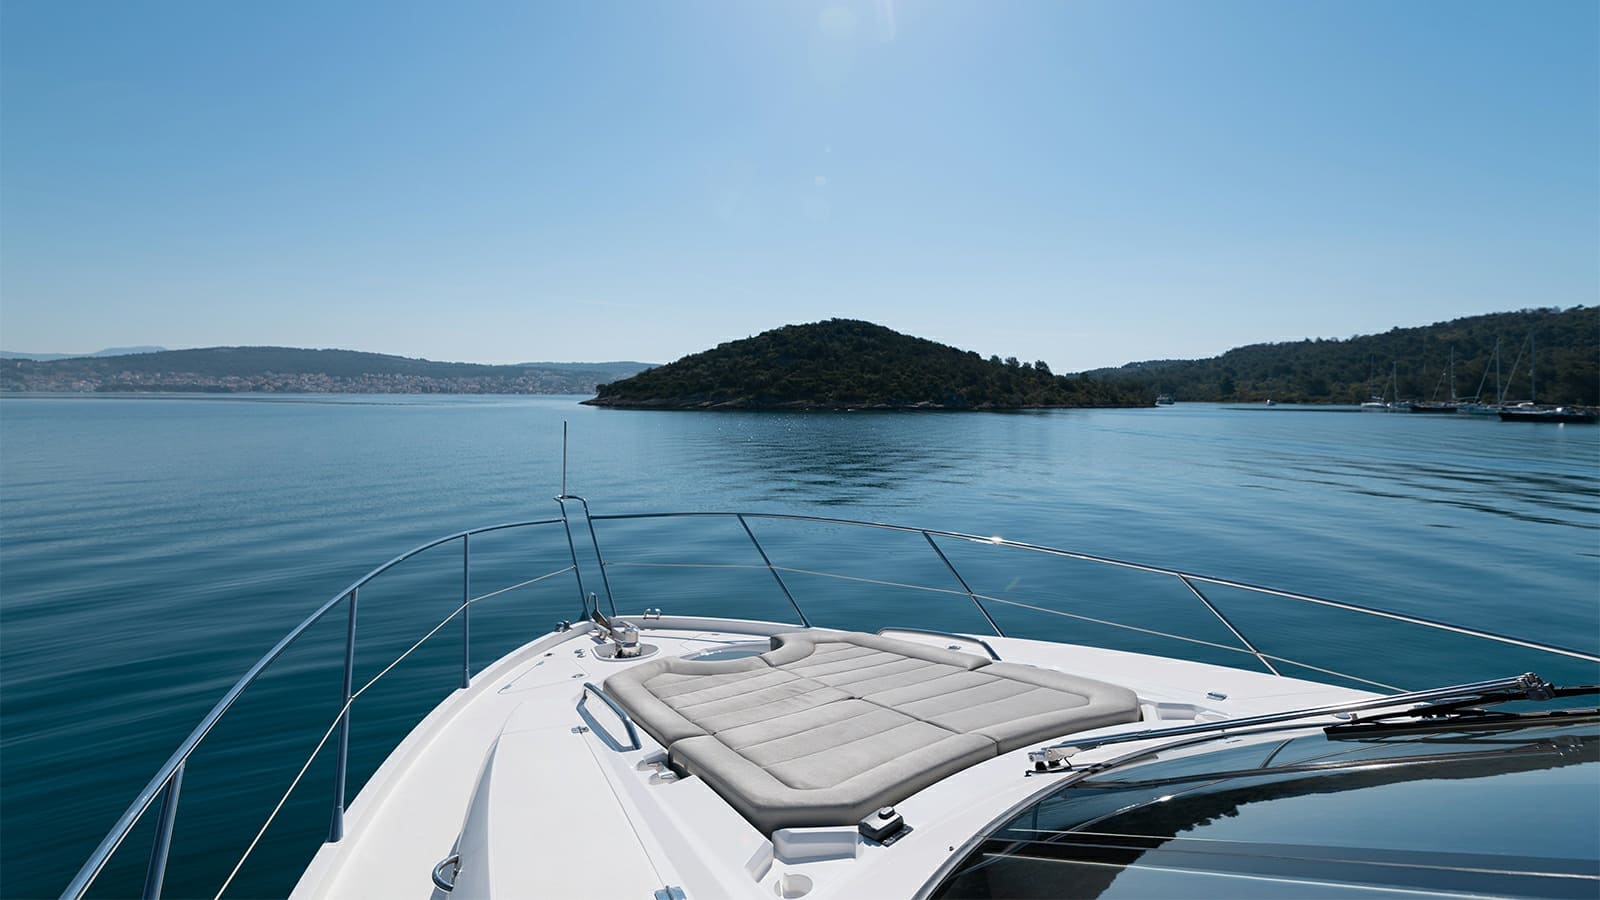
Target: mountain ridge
{"points": [[50, 357]]}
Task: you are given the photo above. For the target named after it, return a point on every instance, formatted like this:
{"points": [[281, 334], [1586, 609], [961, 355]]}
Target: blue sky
{"points": [[1083, 183]]}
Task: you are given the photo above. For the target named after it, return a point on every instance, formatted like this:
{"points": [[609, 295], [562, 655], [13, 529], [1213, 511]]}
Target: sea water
{"points": [[152, 548]]}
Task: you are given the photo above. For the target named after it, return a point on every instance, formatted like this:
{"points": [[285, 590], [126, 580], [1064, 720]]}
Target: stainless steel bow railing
{"points": [[168, 780], [1189, 580]]}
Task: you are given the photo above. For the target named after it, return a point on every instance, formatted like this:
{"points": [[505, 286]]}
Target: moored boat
{"points": [[1555, 415], [1475, 405], [1437, 406], [1378, 402], [1433, 407]]}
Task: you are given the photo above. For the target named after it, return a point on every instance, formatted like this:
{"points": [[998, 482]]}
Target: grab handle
{"points": [[590, 687]]}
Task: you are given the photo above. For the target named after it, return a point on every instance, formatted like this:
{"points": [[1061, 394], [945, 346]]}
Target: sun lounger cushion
{"points": [[829, 725], [825, 784], [1011, 704], [1015, 705], [673, 698]]}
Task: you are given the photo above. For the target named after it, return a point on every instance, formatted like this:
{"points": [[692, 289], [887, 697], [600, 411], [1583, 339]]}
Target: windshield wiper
{"points": [[1519, 687], [1469, 711]]}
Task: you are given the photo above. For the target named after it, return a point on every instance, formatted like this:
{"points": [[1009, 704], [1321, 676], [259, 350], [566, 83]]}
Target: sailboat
{"points": [[1476, 406], [1437, 406], [1530, 411], [1376, 403]]}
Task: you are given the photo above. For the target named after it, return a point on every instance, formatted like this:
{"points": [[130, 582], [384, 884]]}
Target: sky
{"points": [[1082, 183]]}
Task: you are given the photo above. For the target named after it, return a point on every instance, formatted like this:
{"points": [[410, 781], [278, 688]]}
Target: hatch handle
{"points": [[451, 862]]}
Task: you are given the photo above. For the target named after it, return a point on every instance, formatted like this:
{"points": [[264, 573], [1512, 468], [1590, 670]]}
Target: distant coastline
{"points": [[1548, 355], [289, 370]]}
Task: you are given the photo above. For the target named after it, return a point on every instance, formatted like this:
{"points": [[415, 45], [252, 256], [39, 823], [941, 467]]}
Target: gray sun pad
{"points": [[830, 725]]}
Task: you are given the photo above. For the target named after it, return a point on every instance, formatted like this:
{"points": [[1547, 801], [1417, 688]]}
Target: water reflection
{"points": [[1526, 496], [845, 459]]}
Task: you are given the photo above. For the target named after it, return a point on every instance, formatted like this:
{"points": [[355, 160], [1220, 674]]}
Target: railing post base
{"points": [[156, 874], [336, 827]]}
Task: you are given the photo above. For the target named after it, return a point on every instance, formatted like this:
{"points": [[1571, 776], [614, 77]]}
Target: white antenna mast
{"points": [[563, 457]]}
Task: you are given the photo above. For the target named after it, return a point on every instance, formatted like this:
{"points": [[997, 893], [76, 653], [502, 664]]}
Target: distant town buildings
{"points": [[21, 379]]}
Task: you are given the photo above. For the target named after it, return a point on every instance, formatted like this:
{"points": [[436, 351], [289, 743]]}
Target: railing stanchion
{"points": [[963, 582], [1236, 632], [605, 580], [157, 871], [776, 577], [572, 548], [336, 828], [466, 611]]}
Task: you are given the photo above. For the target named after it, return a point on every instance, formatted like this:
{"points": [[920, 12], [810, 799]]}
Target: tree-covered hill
{"points": [[290, 369], [848, 364], [1559, 349]]}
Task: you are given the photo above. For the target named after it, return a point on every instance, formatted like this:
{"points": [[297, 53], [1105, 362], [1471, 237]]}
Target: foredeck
{"points": [[568, 808]]}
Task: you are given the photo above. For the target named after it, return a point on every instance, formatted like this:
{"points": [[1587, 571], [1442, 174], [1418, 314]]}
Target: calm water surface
{"points": [[152, 548]]}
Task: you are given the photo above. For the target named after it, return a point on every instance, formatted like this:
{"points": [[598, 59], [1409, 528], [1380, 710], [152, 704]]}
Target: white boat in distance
{"points": [[646, 751]]}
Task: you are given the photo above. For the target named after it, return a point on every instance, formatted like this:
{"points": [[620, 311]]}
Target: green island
{"points": [[849, 364]]}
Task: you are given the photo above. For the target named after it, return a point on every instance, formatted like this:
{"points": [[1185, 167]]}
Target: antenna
{"points": [[563, 457]]}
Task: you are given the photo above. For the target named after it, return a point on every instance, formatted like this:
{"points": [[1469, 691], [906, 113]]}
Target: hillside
{"points": [[848, 364], [293, 370], [1565, 362]]}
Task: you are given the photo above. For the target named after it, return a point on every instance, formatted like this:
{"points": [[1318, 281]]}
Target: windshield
{"points": [[1512, 810]]}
